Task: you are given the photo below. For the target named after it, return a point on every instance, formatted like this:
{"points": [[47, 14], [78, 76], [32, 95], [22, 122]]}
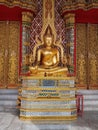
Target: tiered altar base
{"points": [[47, 98]]}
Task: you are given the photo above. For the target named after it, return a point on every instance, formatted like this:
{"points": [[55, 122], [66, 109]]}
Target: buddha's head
{"points": [[48, 37]]}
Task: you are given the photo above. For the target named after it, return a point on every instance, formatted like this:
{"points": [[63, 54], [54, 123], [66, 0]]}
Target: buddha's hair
{"points": [[48, 32]]}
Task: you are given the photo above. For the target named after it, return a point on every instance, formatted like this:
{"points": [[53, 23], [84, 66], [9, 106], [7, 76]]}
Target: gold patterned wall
{"points": [[81, 56], [87, 56], [93, 56], [2, 52], [9, 54]]}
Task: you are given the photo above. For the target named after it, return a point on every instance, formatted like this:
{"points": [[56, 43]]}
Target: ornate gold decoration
{"points": [[55, 78], [49, 110], [27, 17], [2, 54], [48, 17], [13, 54], [9, 41], [87, 40], [12, 67], [35, 88], [70, 19], [81, 69], [1, 67], [93, 70], [79, 4], [47, 98], [81, 55], [49, 118], [27, 4], [93, 55], [46, 60]]}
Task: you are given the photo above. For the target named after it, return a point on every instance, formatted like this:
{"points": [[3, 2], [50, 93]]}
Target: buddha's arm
{"points": [[58, 57], [57, 62], [38, 57]]}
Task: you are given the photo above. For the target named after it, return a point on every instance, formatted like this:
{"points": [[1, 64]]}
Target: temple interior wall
{"points": [[86, 44]]}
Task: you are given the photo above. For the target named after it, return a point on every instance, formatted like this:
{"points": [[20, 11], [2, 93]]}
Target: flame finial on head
{"points": [[48, 31]]}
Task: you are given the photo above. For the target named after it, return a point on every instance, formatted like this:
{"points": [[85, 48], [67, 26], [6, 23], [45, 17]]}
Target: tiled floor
{"points": [[10, 121]]}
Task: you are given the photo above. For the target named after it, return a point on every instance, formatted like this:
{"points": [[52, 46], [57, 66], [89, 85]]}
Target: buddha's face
{"points": [[48, 41]]}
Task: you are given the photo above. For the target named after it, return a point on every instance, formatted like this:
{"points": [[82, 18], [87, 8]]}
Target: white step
{"points": [[7, 102], [8, 99], [90, 99], [8, 91], [89, 92], [91, 107], [90, 102], [7, 96]]}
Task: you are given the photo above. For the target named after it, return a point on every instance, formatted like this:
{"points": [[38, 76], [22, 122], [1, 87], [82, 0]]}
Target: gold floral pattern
{"points": [[9, 53], [93, 55], [81, 55], [2, 52], [87, 55]]}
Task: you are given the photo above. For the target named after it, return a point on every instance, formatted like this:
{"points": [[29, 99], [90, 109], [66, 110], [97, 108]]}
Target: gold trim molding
{"points": [[49, 118], [27, 17], [54, 78], [48, 17], [38, 88], [49, 99], [27, 4], [70, 19], [79, 5], [49, 110]]}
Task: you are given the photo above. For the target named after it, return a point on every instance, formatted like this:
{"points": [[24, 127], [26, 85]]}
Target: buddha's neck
{"points": [[48, 47]]}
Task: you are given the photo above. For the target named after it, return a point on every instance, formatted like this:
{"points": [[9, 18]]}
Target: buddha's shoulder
{"points": [[42, 50], [54, 49], [45, 49]]}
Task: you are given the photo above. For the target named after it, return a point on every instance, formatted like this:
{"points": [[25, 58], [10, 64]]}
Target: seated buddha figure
{"points": [[48, 58]]}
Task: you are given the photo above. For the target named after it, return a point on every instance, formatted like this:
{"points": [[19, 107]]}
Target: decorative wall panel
{"points": [[25, 50], [81, 55], [36, 26], [79, 4], [27, 4], [13, 49], [70, 39], [93, 56], [87, 56], [9, 54], [2, 52]]}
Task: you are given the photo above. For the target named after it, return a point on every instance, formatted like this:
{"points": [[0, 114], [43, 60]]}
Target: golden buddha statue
{"points": [[48, 58]]}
